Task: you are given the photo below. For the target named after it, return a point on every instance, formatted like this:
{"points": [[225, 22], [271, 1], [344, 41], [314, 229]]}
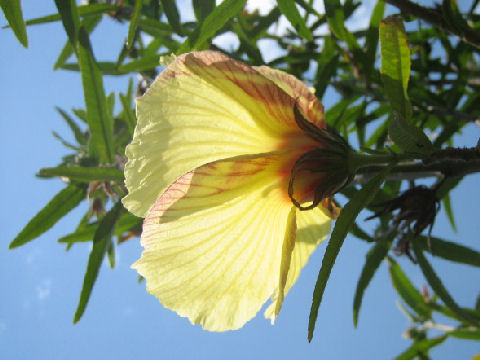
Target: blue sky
{"points": [[41, 282]]}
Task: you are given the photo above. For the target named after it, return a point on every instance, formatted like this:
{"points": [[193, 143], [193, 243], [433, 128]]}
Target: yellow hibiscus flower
{"points": [[217, 157]]}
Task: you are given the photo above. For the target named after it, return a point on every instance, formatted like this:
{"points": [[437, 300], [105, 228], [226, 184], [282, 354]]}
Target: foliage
{"points": [[424, 91]]}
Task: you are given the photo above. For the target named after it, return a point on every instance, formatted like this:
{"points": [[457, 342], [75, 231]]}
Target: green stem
{"points": [[446, 162], [358, 161]]}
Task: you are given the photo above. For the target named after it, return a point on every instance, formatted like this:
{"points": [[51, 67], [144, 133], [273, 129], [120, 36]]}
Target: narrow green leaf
{"points": [[132, 28], [265, 22], [374, 258], [83, 10], [289, 9], [155, 25], [84, 174], [420, 347], [171, 11], [336, 112], [100, 242], [70, 18], [60, 205], [335, 17], [214, 22], [395, 74], [448, 184], [65, 143], [81, 114], [90, 23], [342, 226], [127, 222], [449, 250], [105, 67], [407, 291], [129, 113], [99, 121], [142, 64], [371, 38], [80, 136], [447, 205], [203, 8], [449, 313], [359, 233], [446, 311], [453, 16], [111, 253], [308, 8], [465, 334], [327, 67], [438, 287], [12, 10]]}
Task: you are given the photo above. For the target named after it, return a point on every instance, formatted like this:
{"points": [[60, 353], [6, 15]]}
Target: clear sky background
{"points": [[41, 282]]}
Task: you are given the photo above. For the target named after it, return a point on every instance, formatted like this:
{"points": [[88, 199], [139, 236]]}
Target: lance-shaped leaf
{"points": [[105, 67], [438, 287], [12, 10], [342, 226], [335, 17], [465, 334], [99, 120], [371, 38], [407, 291], [327, 67], [83, 10], [334, 11], [264, 23], [374, 258], [444, 310], [202, 8], [128, 112], [447, 205], [289, 9], [111, 253], [127, 222], [421, 346], [453, 17], [84, 174], [142, 64], [101, 240], [60, 205], [217, 18], [132, 28], [80, 137], [395, 74], [449, 250], [171, 11], [65, 143], [70, 18], [90, 23]]}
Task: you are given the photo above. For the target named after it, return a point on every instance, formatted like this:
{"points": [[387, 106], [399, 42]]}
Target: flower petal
{"points": [[202, 108], [287, 249], [306, 99], [313, 227], [213, 242]]}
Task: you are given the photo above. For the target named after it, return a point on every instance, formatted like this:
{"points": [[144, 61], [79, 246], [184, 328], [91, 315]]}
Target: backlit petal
{"points": [[204, 107], [313, 227], [306, 100], [213, 242]]}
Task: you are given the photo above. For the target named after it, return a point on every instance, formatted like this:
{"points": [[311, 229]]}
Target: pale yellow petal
{"points": [[287, 249], [306, 100], [213, 242], [313, 227], [204, 107]]}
